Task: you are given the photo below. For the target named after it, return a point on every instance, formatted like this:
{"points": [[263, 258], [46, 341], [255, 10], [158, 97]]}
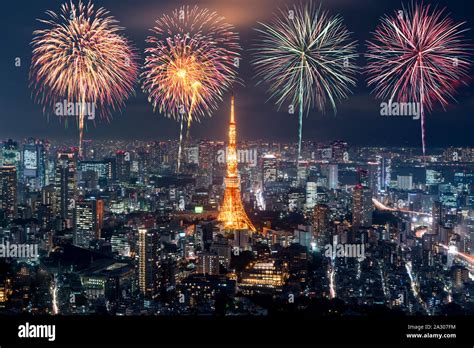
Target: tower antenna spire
{"points": [[232, 215]]}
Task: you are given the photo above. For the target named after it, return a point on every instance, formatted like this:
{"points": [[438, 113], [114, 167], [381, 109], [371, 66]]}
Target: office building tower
{"points": [[339, 151], [123, 166], [405, 182], [311, 194], [361, 207], [148, 262], [320, 220], [384, 172], [88, 221], [10, 155], [34, 164], [437, 218], [270, 172], [65, 186], [242, 239], [208, 263], [333, 177], [8, 191], [363, 177]]}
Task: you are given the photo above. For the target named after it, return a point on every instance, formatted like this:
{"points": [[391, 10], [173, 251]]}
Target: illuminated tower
{"points": [[232, 215]]}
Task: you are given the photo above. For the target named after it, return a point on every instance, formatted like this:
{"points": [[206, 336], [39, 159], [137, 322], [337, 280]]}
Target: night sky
{"points": [[358, 120]]}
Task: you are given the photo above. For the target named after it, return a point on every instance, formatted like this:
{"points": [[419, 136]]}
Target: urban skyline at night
{"points": [[170, 168]]}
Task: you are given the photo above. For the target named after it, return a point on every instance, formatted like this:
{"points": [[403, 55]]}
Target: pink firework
{"points": [[419, 55]]}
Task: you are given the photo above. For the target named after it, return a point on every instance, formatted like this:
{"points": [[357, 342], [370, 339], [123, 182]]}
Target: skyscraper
{"points": [[302, 173], [65, 186], [208, 263], [372, 172], [405, 182], [269, 168], [148, 263], [384, 172], [8, 191], [232, 215], [363, 177], [339, 151], [320, 220], [437, 215], [123, 166], [333, 177], [311, 194], [88, 220], [10, 155], [34, 164], [361, 207]]}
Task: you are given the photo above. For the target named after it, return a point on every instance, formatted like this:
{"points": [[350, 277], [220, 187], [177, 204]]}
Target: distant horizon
{"points": [[73, 141]]}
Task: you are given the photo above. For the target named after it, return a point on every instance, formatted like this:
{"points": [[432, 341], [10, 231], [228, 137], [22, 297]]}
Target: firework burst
{"points": [[418, 55], [192, 60], [307, 58], [82, 58]]}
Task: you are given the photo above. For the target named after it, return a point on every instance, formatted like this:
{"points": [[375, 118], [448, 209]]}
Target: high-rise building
{"points": [[384, 172], [437, 215], [65, 186], [204, 234], [339, 151], [206, 155], [372, 173], [121, 244], [263, 277], [434, 177], [296, 199], [102, 168], [10, 155], [208, 263], [363, 177], [34, 164], [303, 235], [222, 248], [460, 275], [320, 220], [311, 194], [405, 182], [191, 155], [269, 168], [333, 177], [148, 262], [8, 191], [361, 207], [88, 221], [241, 239], [232, 215], [302, 173], [123, 166]]}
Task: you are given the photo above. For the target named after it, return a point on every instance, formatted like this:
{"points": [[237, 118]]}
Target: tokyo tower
{"points": [[232, 215]]}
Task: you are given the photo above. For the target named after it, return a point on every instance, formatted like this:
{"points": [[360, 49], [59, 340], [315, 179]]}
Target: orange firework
{"points": [[81, 61], [192, 61]]}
